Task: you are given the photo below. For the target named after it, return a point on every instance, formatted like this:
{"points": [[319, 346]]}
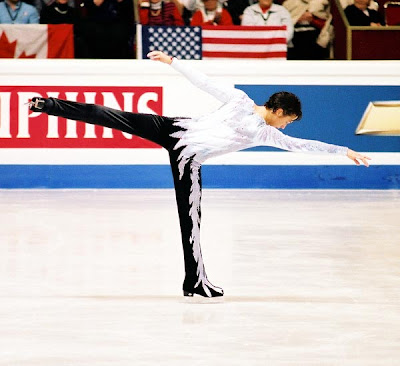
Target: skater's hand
{"points": [[357, 157], [159, 56]]}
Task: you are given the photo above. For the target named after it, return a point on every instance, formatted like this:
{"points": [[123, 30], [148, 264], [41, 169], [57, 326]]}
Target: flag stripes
{"points": [[244, 42], [247, 41], [247, 55]]}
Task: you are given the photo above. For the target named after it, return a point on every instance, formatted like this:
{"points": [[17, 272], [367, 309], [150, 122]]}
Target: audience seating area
{"points": [[392, 12], [350, 42], [363, 43]]}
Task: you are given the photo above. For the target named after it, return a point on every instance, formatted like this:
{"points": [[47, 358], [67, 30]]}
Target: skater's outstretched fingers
{"points": [[159, 56], [358, 158]]}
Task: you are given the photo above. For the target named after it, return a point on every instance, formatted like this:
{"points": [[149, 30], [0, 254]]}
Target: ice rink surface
{"points": [[93, 278]]}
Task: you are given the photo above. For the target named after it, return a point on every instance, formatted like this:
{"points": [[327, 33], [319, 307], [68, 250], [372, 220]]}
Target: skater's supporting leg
{"points": [[188, 198], [151, 127]]}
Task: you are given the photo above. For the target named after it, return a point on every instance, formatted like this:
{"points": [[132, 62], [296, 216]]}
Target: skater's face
{"points": [[279, 120]]}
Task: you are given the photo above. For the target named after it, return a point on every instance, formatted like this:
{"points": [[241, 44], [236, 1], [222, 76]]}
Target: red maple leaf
{"points": [[7, 48], [23, 55]]}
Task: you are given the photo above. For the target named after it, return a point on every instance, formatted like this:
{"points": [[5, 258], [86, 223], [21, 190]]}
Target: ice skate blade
{"points": [[36, 104], [190, 298]]}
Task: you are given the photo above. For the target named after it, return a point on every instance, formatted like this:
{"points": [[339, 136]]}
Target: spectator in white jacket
{"points": [[267, 13]]}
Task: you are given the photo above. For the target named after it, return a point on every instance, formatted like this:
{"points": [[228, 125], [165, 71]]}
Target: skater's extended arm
{"points": [[197, 78], [272, 137]]}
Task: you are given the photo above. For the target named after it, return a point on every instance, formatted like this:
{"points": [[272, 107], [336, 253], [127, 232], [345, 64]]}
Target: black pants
{"points": [[187, 185]]}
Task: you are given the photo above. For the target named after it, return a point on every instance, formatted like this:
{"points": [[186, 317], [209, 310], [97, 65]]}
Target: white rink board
{"points": [[177, 89]]}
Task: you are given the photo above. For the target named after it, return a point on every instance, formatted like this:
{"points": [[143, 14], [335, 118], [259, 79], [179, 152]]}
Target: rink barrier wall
{"points": [[214, 176], [41, 152]]}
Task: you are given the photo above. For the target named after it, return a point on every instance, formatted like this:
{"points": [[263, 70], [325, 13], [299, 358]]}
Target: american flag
{"points": [[195, 43]]}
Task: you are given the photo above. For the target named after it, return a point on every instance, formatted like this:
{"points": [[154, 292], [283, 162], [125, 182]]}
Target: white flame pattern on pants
{"points": [[194, 212]]}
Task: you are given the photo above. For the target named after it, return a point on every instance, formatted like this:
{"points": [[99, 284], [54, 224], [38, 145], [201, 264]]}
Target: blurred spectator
{"points": [[193, 5], [179, 4], [211, 12], [18, 12], [360, 14], [58, 12], [372, 5], [313, 31], [190, 7], [267, 13], [159, 12], [237, 7], [39, 4], [107, 29]]}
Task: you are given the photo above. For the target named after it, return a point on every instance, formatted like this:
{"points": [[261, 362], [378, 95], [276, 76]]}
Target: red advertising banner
{"points": [[22, 128]]}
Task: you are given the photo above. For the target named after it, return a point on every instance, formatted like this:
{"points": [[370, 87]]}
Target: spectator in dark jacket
{"points": [[108, 28], [58, 13], [359, 14], [236, 9]]}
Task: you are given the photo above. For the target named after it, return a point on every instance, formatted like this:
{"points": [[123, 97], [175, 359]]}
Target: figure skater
{"points": [[236, 125]]}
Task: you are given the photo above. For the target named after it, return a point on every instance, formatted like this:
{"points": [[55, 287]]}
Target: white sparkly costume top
{"points": [[234, 126]]}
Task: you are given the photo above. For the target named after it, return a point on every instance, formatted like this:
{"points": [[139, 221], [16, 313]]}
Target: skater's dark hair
{"points": [[289, 103]]}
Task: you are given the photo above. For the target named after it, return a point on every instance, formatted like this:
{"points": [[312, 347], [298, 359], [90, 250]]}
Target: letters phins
{"points": [[134, 99]]}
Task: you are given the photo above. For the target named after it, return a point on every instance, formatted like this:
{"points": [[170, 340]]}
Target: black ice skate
{"points": [[203, 288]]}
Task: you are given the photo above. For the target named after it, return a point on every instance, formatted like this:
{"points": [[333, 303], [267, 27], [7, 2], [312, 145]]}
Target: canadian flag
{"points": [[36, 41]]}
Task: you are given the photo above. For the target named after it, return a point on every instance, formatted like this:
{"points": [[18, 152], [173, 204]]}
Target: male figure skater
{"points": [[236, 125]]}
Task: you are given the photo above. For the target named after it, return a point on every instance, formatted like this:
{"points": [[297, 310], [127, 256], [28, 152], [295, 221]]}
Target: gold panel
{"points": [[380, 118]]}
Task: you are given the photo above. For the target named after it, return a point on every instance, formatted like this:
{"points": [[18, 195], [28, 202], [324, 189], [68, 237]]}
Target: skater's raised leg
{"points": [[151, 127]]}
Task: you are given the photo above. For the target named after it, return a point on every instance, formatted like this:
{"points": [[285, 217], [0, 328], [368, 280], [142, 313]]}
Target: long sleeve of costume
{"points": [[270, 136], [203, 82], [232, 127]]}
